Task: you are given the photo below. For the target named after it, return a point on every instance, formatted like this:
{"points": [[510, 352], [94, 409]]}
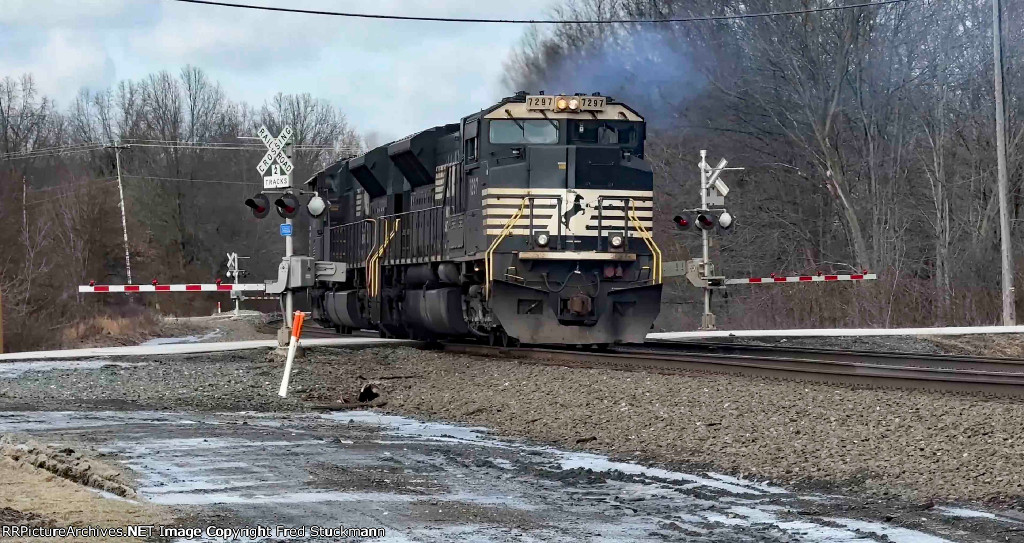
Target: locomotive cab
{"points": [[578, 265]]}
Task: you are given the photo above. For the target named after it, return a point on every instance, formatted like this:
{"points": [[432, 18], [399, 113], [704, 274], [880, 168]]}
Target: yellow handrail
{"points": [[375, 261], [369, 255], [649, 240], [489, 254]]}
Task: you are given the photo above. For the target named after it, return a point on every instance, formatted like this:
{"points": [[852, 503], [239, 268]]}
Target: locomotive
{"points": [[527, 222]]}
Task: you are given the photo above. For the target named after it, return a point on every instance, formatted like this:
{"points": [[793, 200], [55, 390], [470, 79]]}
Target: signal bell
{"points": [[725, 220], [287, 206], [316, 206], [259, 204]]}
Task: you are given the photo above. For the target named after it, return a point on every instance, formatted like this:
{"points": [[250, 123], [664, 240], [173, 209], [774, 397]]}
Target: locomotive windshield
{"points": [[523, 131], [624, 133]]}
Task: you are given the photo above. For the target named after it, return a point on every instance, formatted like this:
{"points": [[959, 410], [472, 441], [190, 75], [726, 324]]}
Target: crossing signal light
{"points": [[705, 221], [259, 204], [287, 206], [682, 221]]}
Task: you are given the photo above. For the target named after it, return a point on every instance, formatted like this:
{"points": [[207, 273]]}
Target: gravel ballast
{"points": [[916, 445]]}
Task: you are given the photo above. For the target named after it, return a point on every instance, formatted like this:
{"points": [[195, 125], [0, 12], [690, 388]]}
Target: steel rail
{"points": [[880, 370], [886, 358]]}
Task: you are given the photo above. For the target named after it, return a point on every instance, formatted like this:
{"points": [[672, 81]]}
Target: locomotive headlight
{"points": [[574, 104], [561, 104], [542, 240], [616, 241]]}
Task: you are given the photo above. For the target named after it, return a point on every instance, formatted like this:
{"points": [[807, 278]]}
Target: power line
{"points": [[542, 21], [166, 144], [230, 146], [153, 178], [65, 185], [54, 151], [44, 200]]}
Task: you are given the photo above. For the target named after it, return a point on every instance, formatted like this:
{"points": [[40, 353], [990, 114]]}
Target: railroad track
{"points": [[996, 376]]}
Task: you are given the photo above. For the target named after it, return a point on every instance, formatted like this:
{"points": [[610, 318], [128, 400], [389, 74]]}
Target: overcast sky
{"points": [[391, 77]]}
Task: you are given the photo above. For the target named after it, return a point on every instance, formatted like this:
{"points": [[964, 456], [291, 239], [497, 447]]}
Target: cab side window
{"points": [[456, 188], [472, 143]]}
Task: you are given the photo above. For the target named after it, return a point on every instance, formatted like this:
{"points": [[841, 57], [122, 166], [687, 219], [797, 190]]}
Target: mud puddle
{"points": [[425, 481]]}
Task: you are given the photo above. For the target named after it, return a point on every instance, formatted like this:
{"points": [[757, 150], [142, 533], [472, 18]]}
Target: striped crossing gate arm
{"points": [[801, 279]]}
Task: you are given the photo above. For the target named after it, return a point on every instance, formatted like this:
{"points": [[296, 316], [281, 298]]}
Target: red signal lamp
{"points": [[259, 204], [287, 206], [705, 221], [682, 221]]}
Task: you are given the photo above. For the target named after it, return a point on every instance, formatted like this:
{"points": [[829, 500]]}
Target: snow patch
{"points": [[209, 336], [964, 512], [14, 370]]}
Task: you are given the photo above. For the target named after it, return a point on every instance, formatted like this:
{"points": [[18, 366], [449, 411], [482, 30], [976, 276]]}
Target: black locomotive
{"points": [[529, 221]]}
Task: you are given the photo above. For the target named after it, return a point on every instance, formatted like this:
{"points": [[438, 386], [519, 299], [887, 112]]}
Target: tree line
{"points": [[186, 167], [868, 137]]}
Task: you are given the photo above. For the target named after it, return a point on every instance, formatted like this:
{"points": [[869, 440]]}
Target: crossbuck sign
{"points": [[275, 153]]}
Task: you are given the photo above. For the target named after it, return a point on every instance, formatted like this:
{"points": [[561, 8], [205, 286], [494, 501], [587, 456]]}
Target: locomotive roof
{"points": [[511, 106]]}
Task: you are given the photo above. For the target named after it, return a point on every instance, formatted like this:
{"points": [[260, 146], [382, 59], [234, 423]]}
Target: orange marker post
{"points": [[293, 344]]}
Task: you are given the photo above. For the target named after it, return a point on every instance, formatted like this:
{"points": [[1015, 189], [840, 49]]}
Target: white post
{"points": [[24, 206], [288, 244], [707, 320], [124, 221], [235, 267], [293, 345]]}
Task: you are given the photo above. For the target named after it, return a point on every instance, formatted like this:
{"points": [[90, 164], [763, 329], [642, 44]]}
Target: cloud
{"points": [[94, 14], [392, 77], [62, 64]]}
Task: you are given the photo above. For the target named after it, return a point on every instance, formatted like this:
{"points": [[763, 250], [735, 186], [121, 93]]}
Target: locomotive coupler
{"points": [[580, 304]]}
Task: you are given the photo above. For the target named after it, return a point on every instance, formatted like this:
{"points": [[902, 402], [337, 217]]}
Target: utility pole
{"points": [[1006, 244], [124, 221]]}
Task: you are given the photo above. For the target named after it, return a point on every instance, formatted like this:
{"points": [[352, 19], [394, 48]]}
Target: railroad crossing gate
{"points": [[700, 272]]}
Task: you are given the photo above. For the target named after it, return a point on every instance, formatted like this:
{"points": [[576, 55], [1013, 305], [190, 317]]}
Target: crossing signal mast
{"points": [[713, 191], [711, 213], [294, 271]]}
